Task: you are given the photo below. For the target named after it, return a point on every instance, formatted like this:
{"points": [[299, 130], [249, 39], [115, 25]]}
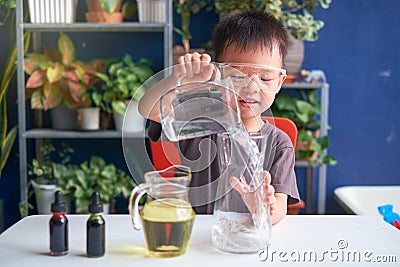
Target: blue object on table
{"points": [[388, 215]]}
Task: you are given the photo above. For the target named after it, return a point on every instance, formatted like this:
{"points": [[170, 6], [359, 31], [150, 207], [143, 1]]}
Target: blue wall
{"points": [[359, 51]]}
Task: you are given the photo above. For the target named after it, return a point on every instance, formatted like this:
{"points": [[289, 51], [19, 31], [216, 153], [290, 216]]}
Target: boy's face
{"points": [[256, 96]]}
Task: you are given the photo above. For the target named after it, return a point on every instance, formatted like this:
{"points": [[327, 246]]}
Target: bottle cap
{"points": [[96, 206], [58, 205]]}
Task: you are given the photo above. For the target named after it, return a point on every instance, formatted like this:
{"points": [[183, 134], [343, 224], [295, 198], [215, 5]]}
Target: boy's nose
{"points": [[251, 87]]}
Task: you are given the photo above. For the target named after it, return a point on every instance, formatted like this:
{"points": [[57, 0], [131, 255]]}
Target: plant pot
{"points": [[151, 11], [106, 121], [104, 17], [295, 55], [63, 118], [89, 118], [52, 11], [131, 121], [44, 194]]}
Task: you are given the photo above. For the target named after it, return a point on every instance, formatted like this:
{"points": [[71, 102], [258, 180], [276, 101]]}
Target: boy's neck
{"points": [[253, 125]]}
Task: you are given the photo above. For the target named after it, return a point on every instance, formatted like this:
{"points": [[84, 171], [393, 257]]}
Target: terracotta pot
{"points": [[104, 17]]}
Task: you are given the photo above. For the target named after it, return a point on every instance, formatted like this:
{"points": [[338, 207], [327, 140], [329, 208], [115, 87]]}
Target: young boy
{"points": [[255, 44]]}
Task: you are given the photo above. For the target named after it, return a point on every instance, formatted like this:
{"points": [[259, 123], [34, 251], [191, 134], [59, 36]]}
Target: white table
{"points": [[330, 238]]}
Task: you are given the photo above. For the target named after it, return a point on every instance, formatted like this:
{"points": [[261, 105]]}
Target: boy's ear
{"points": [[281, 80]]}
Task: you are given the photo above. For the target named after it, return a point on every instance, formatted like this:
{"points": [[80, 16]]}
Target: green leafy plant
{"points": [[110, 6], [121, 83], [78, 181], [304, 111], [95, 175], [41, 169], [186, 8], [57, 76], [295, 15], [6, 7]]}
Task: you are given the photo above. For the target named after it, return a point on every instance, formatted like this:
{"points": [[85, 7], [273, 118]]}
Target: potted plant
{"points": [[186, 8], [57, 77], [296, 16], [107, 11], [41, 172], [80, 181], [48, 12], [304, 111], [121, 84]]}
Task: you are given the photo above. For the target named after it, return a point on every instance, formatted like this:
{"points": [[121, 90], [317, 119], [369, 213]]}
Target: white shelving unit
{"points": [[24, 133]]}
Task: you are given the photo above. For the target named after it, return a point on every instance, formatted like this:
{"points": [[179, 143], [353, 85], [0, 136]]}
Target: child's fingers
{"points": [[238, 185], [267, 177], [188, 65], [196, 63]]}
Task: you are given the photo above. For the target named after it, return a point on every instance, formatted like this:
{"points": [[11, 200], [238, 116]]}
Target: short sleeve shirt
{"points": [[279, 162]]}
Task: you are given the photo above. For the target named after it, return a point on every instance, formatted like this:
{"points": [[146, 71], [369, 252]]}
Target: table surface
{"points": [[302, 240]]}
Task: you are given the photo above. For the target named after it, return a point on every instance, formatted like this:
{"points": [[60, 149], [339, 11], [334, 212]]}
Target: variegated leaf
{"points": [[54, 74], [36, 79], [67, 49], [36, 100]]}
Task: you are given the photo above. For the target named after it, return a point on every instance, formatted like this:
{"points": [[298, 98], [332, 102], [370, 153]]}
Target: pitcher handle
{"points": [[134, 199]]}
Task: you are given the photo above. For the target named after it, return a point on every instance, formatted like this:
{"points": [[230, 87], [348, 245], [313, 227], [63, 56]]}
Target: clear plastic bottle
{"points": [[95, 229], [58, 227]]}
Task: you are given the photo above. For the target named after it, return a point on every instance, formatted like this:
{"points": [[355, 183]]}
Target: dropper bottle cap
{"points": [[58, 205], [96, 206]]}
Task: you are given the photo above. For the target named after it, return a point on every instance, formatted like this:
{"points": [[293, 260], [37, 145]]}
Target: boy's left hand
{"points": [[249, 199]]}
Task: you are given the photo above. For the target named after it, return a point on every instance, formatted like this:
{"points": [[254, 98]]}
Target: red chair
{"points": [[285, 125], [165, 154], [159, 150]]}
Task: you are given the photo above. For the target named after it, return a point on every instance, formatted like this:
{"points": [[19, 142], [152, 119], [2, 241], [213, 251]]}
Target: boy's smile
{"points": [[253, 101]]}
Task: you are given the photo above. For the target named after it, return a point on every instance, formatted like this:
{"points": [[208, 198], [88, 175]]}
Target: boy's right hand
{"points": [[193, 67]]}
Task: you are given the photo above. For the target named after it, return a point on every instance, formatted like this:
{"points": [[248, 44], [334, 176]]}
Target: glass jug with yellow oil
{"points": [[167, 216]]}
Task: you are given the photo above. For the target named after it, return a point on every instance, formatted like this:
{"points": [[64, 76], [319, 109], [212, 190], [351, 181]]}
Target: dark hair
{"points": [[249, 30]]}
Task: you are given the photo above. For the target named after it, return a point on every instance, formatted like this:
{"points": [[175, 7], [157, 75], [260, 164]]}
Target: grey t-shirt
{"points": [[279, 161]]}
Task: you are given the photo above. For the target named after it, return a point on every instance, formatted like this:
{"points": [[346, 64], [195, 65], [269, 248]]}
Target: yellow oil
{"points": [[167, 224]]}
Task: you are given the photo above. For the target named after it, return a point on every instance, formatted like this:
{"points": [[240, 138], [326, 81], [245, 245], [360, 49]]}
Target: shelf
{"points": [[51, 133], [301, 85], [95, 27]]}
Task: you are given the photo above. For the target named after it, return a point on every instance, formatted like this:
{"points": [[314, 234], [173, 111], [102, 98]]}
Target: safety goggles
{"points": [[267, 77]]}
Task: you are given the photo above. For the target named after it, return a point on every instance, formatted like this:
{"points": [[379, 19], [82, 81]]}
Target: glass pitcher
{"points": [[242, 222], [167, 216], [198, 105]]}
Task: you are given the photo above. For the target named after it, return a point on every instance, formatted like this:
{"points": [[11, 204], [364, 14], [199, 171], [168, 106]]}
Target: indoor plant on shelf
{"points": [[122, 84], [80, 181], [185, 8], [296, 16], [41, 172], [108, 11], [56, 77], [304, 111]]}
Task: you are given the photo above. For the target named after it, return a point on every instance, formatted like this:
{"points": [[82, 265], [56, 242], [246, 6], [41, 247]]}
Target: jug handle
{"points": [[134, 199]]}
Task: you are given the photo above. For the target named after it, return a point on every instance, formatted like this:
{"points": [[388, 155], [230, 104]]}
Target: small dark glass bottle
{"points": [[95, 229], [58, 227]]}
